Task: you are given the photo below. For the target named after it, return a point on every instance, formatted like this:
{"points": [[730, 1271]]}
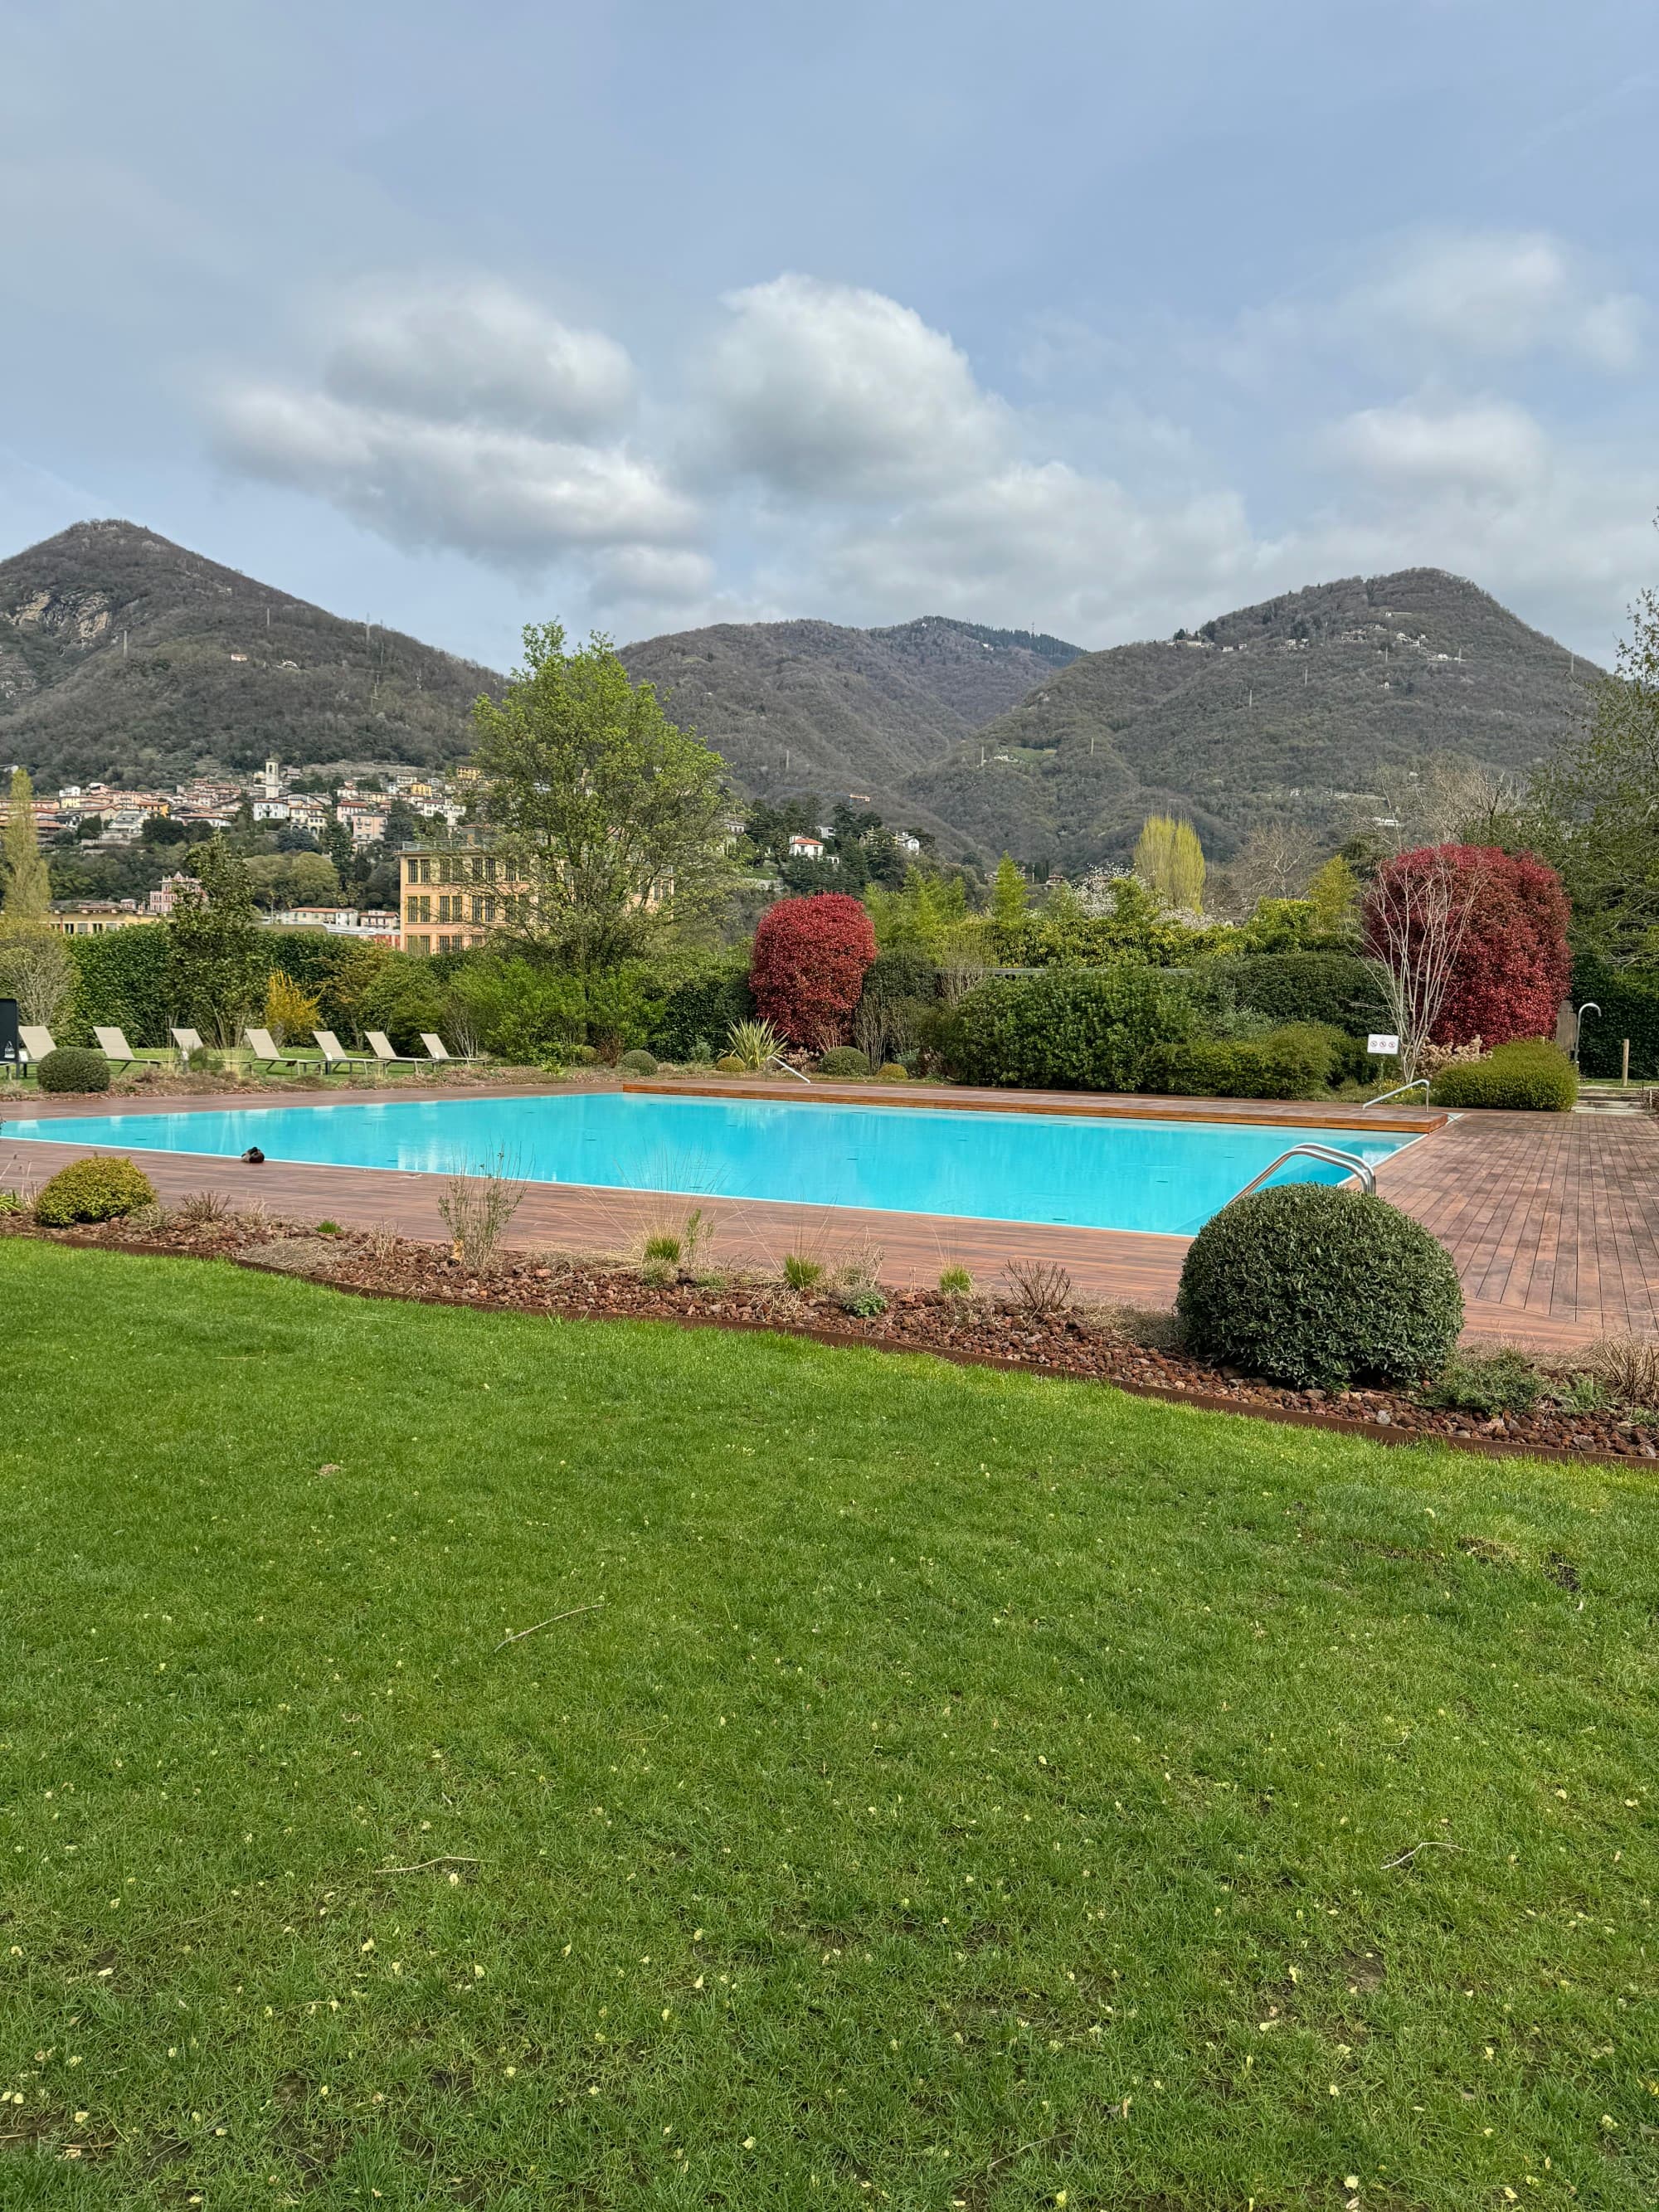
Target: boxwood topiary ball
{"points": [[1313, 1286], [73, 1067], [638, 1062]]}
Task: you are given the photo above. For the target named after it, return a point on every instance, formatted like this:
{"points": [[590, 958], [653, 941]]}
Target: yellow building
{"points": [[453, 895], [92, 917]]}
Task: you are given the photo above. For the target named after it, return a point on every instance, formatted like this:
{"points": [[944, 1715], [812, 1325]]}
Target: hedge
{"points": [[1337, 988], [124, 979], [1629, 1000], [1068, 1029], [703, 1005], [1530, 1076], [121, 981], [1291, 1063]]}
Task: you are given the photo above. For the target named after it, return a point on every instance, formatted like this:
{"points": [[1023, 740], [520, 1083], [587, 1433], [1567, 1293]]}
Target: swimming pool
{"points": [[1164, 1177]]}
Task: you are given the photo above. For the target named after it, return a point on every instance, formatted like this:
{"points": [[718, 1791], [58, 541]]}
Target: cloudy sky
{"points": [[1095, 315]]}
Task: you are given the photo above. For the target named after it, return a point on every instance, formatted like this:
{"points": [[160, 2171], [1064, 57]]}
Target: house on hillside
{"points": [[802, 848]]}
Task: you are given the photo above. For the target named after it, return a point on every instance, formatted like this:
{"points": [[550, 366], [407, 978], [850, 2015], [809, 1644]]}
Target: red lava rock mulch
{"points": [[1075, 1342]]}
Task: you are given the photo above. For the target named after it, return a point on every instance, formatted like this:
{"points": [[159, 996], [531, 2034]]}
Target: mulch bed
{"points": [[980, 1331]]}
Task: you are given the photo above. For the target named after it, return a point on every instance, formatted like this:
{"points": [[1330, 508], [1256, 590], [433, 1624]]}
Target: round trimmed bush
{"points": [[844, 1060], [1306, 1284], [93, 1190], [893, 1071], [72, 1067], [638, 1062], [729, 1064]]}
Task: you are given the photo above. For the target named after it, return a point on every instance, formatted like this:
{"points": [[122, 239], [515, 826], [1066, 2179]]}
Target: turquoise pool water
{"points": [[1160, 1175]]}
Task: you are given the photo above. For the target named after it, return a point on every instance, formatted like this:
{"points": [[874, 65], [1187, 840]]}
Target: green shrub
{"points": [[702, 1005], [1068, 1029], [1504, 1382], [123, 979], [1288, 1063], [843, 1060], [664, 1248], [955, 1282], [637, 1062], [93, 1190], [893, 1071], [72, 1067], [1531, 1075], [1337, 987], [801, 1272], [1306, 1284], [1629, 1000], [729, 1064]]}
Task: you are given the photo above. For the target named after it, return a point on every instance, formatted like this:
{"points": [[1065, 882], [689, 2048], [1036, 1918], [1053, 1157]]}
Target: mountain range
{"points": [[125, 658]]}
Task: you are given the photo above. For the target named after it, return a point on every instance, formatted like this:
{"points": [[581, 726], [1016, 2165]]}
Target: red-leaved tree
{"points": [[809, 958], [1474, 939]]}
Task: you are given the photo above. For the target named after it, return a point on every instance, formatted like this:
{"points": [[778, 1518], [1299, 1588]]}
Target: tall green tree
{"points": [[1593, 810], [1170, 861], [217, 958], [610, 815], [24, 879]]}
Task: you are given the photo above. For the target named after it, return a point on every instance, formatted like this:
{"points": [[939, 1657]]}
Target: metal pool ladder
{"points": [[1329, 1154], [1417, 1083]]}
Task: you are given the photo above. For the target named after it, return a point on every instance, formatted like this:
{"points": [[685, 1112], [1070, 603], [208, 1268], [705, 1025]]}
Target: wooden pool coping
{"points": [[1077, 1105]]}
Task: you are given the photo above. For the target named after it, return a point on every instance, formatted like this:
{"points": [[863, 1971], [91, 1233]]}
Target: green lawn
{"points": [[973, 1790]]}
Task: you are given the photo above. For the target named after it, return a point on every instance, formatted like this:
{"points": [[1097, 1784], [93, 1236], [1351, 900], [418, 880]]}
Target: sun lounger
{"points": [[336, 1055], [37, 1044], [380, 1045], [114, 1046], [263, 1046], [440, 1054], [188, 1041]]}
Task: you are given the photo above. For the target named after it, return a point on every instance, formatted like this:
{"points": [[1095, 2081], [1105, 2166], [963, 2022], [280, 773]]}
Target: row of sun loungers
{"points": [[111, 1042]]}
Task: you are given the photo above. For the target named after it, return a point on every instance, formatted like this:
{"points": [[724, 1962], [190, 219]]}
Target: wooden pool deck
{"points": [[1551, 1220]]}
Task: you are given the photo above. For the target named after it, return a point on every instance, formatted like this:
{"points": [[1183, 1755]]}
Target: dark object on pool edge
{"points": [[254, 1157]]}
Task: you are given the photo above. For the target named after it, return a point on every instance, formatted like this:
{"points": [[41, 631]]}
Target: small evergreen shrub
{"points": [[637, 1062], [1310, 1284], [729, 1064], [72, 1067], [843, 1060], [893, 1071], [1534, 1076], [1504, 1382], [100, 1189]]}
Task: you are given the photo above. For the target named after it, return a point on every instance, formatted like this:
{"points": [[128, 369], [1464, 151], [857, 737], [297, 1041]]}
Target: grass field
{"points": [[965, 1791]]}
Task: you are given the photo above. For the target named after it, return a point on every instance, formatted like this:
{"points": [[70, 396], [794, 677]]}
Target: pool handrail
{"points": [[1329, 1154], [1417, 1083], [777, 1059]]}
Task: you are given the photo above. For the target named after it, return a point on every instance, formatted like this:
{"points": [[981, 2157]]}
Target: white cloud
{"points": [[1052, 546], [830, 391], [478, 352], [500, 494], [462, 417], [1490, 446], [1498, 294]]}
